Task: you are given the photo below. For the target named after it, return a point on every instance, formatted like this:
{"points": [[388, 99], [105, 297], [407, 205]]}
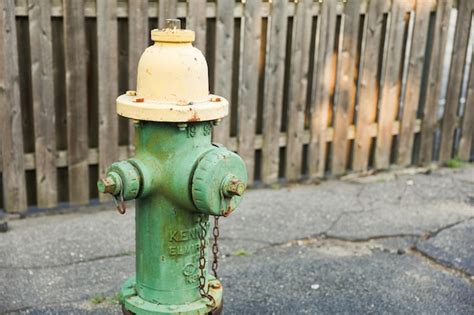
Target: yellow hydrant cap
{"points": [[172, 81]]}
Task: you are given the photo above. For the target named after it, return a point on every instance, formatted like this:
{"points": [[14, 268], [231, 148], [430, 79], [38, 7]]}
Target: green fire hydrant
{"points": [[178, 179]]}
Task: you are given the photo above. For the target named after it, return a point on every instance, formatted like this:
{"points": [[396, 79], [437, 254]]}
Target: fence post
{"points": [[369, 85], [76, 100], [390, 85], [248, 84], [196, 21], [323, 84], [223, 63], [347, 87], [413, 84], [13, 174], [43, 102], [461, 38], [430, 111], [273, 97], [107, 63], [467, 129]]}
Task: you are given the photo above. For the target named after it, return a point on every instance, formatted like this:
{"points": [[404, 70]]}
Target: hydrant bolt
{"points": [[234, 187], [111, 184], [106, 185]]}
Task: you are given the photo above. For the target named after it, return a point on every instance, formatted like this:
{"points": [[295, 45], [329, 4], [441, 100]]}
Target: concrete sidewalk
{"points": [[394, 244]]}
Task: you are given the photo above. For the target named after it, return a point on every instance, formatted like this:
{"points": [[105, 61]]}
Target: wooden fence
{"points": [[317, 88]]}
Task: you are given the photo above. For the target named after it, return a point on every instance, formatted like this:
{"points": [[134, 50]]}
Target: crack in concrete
{"points": [[434, 233], [325, 236], [78, 262], [432, 262], [72, 301], [228, 238]]}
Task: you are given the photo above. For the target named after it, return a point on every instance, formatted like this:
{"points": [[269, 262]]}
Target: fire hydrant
{"points": [[178, 178]]}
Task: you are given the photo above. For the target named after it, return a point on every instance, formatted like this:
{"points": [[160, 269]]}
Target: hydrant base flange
{"points": [[135, 304]]}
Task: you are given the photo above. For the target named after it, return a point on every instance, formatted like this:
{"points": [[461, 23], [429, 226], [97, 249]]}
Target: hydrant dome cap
{"points": [[172, 82]]}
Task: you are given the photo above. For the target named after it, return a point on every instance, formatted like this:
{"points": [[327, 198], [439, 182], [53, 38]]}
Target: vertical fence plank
{"points": [[248, 84], [76, 101], [323, 81], [461, 39], [430, 110], [347, 86], [196, 21], [413, 84], [467, 129], [223, 62], [298, 88], [107, 48], [138, 36], [167, 10], [273, 97], [391, 84], [10, 116], [369, 85], [39, 14]]}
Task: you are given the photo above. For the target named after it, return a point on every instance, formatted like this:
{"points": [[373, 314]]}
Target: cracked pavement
{"points": [[380, 244]]}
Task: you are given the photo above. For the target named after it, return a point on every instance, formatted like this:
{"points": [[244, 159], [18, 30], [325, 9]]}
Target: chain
{"points": [[202, 261], [215, 246], [120, 204]]}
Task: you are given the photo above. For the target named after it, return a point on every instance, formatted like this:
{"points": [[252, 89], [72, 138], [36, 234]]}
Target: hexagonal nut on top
{"points": [[111, 184], [219, 182]]}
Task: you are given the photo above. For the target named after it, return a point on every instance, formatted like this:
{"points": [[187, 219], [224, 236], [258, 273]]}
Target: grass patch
{"points": [[275, 186], [115, 299], [241, 252], [101, 298], [98, 299], [455, 162]]}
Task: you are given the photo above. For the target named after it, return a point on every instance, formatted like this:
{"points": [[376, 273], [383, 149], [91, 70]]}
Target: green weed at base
{"points": [[455, 162], [241, 252], [98, 299]]}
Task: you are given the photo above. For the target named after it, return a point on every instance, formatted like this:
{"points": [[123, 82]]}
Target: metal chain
{"points": [[215, 246], [202, 261], [120, 204]]}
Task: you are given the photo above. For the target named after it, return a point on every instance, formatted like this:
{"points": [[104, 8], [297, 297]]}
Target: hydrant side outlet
{"points": [[178, 179]]}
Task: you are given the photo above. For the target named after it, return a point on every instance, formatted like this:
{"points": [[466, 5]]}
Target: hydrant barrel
{"points": [[178, 178]]}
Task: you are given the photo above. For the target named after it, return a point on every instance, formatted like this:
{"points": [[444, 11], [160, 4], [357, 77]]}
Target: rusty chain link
{"points": [[215, 246], [202, 262], [120, 204]]}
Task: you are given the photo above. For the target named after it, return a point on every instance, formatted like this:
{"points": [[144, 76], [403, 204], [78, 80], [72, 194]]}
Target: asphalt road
{"points": [[382, 244]]}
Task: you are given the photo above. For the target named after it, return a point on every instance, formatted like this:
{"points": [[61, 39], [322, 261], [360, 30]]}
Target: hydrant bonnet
{"points": [[172, 82]]}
